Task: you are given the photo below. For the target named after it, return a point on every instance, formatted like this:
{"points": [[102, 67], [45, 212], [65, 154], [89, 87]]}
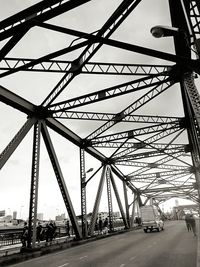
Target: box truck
{"points": [[151, 219]]}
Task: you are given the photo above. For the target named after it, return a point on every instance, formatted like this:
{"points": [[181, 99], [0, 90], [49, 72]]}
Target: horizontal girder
{"points": [[63, 66]]}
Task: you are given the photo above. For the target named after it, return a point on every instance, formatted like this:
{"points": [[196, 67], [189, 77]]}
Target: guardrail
{"points": [[10, 237]]}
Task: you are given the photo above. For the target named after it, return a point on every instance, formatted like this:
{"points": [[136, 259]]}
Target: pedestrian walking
{"points": [[54, 230], [187, 221], [67, 226], [24, 236], [192, 223], [39, 231], [105, 226], [49, 232], [100, 225]]}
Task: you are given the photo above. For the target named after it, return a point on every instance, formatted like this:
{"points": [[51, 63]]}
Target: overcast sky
{"points": [[15, 175]]}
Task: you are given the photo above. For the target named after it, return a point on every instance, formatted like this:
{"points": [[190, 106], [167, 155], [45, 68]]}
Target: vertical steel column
{"points": [[97, 201], [119, 201], [110, 207], [61, 181], [133, 211], [34, 186], [126, 203], [83, 194], [191, 103]]}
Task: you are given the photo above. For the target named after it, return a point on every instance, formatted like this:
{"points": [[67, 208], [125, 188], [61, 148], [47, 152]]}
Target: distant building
{"points": [[63, 216], [58, 218], [116, 215], [103, 215], [14, 215], [2, 213], [176, 203], [8, 218], [40, 216]]}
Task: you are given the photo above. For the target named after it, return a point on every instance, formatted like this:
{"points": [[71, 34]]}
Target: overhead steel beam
{"points": [[158, 175], [141, 145], [158, 162], [100, 116], [147, 141], [63, 66], [107, 93], [58, 53], [147, 97], [182, 60], [137, 132], [150, 154], [167, 189]]}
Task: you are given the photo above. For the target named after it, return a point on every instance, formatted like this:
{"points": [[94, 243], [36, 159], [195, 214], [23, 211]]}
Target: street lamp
{"points": [[165, 31], [89, 170]]}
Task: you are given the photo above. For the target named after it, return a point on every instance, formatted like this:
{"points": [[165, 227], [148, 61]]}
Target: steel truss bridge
{"points": [[154, 153]]}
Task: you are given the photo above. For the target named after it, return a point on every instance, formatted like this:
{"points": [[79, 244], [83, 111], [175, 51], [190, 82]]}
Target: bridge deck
{"points": [[172, 247]]}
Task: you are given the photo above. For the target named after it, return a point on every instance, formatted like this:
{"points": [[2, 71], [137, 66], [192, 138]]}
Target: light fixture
{"points": [[90, 170], [164, 31]]}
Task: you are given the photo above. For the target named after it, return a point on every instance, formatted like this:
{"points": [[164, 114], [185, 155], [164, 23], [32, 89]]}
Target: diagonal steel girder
{"points": [[137, 132], [107, 93], [147, 142], [139, 145], [152, 165], [184, 60], [151, 154], [167, 189], [41, 11], [115, 20], [61, 180], [158, 175], [168, 158], [131, 108]]}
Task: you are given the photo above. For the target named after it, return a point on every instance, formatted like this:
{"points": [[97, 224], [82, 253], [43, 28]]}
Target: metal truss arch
{"points": [[139, 121]]}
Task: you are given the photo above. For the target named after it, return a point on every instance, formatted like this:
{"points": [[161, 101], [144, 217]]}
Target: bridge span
{"points": [[172, 247], [85, 86]]}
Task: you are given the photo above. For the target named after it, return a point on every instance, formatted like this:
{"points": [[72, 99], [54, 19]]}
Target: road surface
{"points": [[173, 247]]}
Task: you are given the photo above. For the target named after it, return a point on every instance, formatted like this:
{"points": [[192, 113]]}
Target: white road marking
{"points": [[65, 264], [82, 257], [132, 258], [122, 265]]}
